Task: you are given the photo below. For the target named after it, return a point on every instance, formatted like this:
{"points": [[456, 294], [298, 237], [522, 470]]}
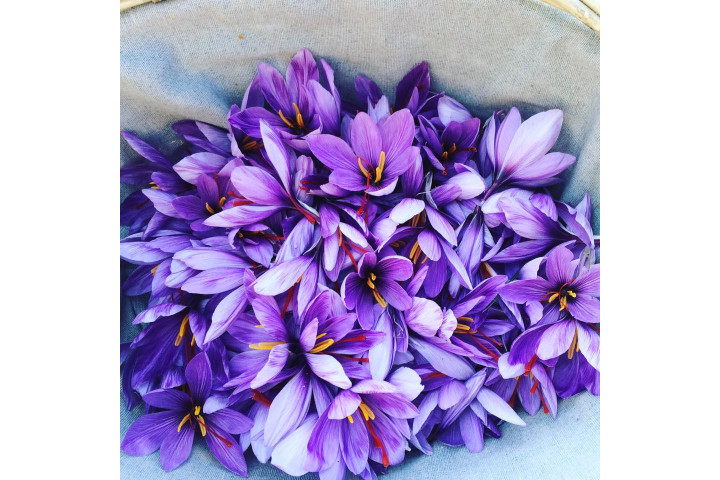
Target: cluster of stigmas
{"points": [[333, 282]]}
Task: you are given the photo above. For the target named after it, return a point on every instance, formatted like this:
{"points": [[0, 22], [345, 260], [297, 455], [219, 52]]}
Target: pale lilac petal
{"points": [[521, 291], [424, 316], [406, 209], [240, 216], [407, 381], [307, 336], [258, 186], [397, 133], [533, 139], [584, 308], [192, 166], [344, 405], [281, 277], [226, 312], [556, 340], [443, 361], [450, 110], [288, 408], [589, 343], [394, 267], [471, 430], [441, 225], [275, 363], [216, 280], [276, 153], [329, 369], [451, 393], [495, 405], [291, 454], [354, 444]]}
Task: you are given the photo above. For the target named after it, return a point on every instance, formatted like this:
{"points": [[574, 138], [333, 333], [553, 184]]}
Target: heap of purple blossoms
{"points": [[332, 282]]}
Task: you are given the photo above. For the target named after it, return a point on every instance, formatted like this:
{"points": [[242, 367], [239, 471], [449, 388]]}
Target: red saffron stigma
{"points": [[350, 255], [260, 397], [287, 301], [378, 444], [487, 350], [489, 338], [359, 338], [545, 407], [534, 387], [531, 364], [514, 394], [352, 359]]}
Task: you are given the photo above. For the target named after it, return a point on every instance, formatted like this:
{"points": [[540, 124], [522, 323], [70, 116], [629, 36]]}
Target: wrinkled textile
{"points": [[183, 59]]}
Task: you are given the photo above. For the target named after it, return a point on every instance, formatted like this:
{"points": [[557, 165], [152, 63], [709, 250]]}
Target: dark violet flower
{"points": [[173, 429], [377, 281]]}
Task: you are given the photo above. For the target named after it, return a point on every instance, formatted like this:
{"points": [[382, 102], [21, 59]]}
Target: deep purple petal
{"points": [[147, 432], [199, 378], [176, 447]]}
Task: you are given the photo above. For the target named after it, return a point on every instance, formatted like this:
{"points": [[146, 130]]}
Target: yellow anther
{"points": [[264, 345], [287, 122], [192, 342], [452, 150], [380, 167], [339, 237], [209, 208], [424, 260], [319, 347], [181, 333], [197, 410], [298, 116], [320, 336], [571, 350], [222, 201], [563, 303], [370, 284], [445, 155], [154, 269], [350, 419], [552, 297], [258, 326], [201, 422], [415, 220], [152, 183], [379, 298], [365, 172], [571, 293], [465, 319], [182, 422], [373, 276], [367, 412], [462, 327], [414, 249]]}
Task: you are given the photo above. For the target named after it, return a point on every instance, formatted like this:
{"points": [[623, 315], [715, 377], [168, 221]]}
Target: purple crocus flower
{"points": [[367, 421], [173, 429], [376, 157], [378, 281], [570, 293]]}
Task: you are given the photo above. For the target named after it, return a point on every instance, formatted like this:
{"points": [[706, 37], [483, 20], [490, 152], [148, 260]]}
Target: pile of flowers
{"points": [[333, 282]]}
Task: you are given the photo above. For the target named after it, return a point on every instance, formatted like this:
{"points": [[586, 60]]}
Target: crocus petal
{"points": [[450, 110], [424, 316], [276, 361], [407, 381], [158, 311], [558, 266], [146, 150], [492, 402], [240, 216], [291, 454], [226, 312], [394, 267], [406, 209], [228, 452], [556, 340], [276, 153], [471, 430], [393, 293], [281, 277], [329, 369], [584, 308], [589, 343], [397, 133], [354, 445], [288, 408], [231, 421], [522, 291], [533, 139], [344, 405], [199, 378], [441, 225], [207, 258], [176, 447], [451, 393], [192, 166], [169, 399], [147, 432], [258, 186], [365, 139], [333, 152], [445, 362], [216, 280]]}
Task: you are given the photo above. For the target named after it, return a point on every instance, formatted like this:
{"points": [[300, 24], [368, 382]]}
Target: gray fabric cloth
{"points": [[183, 59]]}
